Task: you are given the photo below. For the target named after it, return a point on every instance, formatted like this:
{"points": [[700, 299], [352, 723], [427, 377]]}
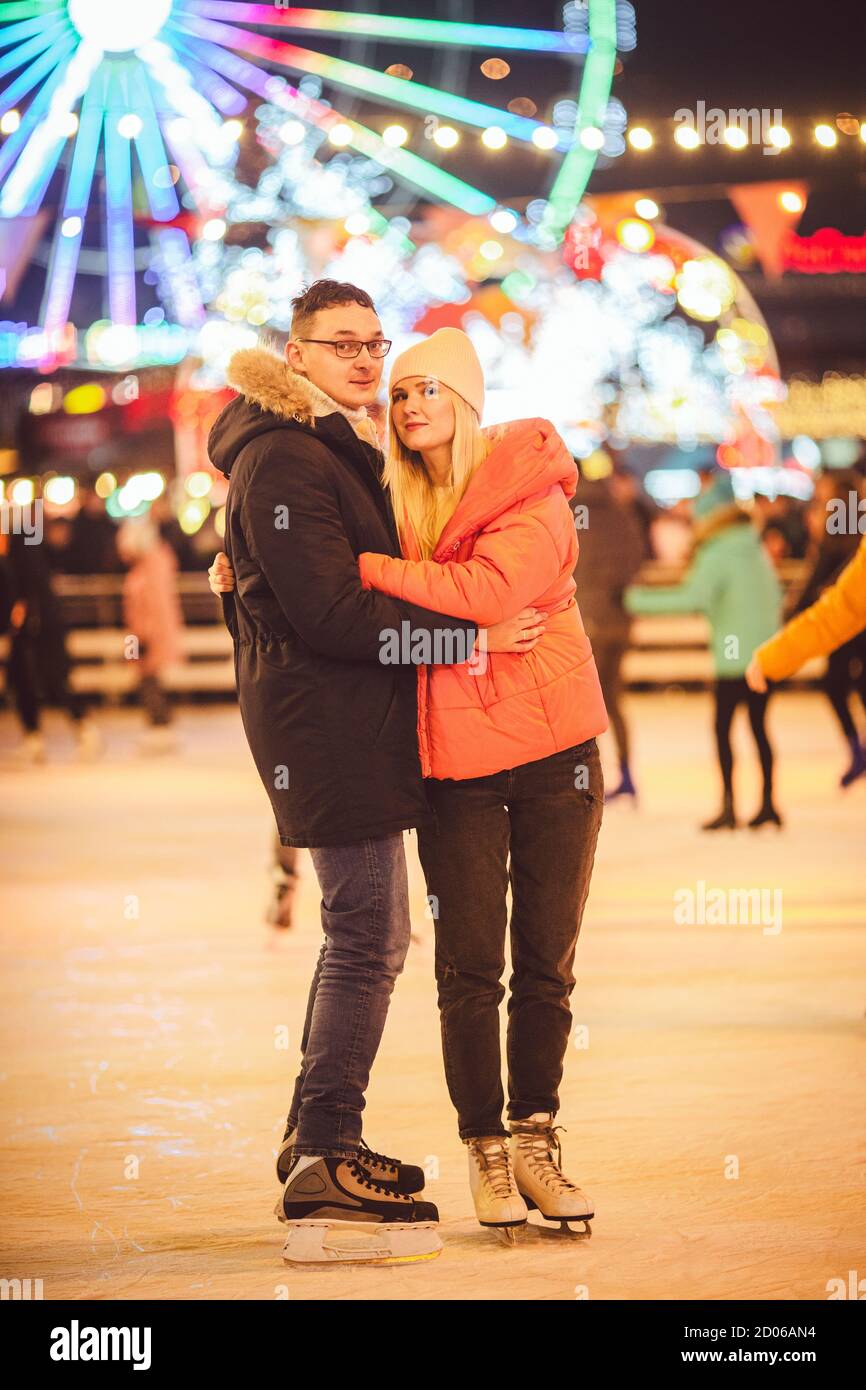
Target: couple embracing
{"points": [[478, 732]]}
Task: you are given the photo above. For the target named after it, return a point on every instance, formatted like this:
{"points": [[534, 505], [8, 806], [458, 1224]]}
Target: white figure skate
{"points": [[498, 1204], [537, 1157]]}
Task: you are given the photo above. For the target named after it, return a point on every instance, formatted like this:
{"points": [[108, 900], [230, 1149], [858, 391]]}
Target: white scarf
{"points": [[362, 422]]}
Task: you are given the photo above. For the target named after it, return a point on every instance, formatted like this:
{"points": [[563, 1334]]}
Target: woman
{"points": [[732, 581], [509, 747], [152, 613]]}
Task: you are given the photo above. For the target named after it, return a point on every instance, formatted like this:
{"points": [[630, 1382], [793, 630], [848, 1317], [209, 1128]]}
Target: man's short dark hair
{"points": [[324, 294]]}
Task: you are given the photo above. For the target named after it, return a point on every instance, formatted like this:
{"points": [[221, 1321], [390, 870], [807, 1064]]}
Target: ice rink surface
{"points": [[714, 1105]]}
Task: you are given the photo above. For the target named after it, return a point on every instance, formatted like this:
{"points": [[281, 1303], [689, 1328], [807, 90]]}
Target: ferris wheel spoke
{"points": [[178, 266], [27, 80], [67, 240], [374, 26], [25, 9], [118, 222], [223, 95], [152, 158], [38, 27], [366, 81], [222, 60], [420, 173], [575, 170], [29, 180], [50, 63], [175, 82], [413, 169]]}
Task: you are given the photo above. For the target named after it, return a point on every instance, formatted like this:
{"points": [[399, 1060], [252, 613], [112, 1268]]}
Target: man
{"points": [[330, 722]]}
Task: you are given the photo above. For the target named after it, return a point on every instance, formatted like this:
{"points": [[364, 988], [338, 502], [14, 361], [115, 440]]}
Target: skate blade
{"points": [[506, 1235], [354, 1242], [566, 1224], [505, 1231], [577, 1226]]}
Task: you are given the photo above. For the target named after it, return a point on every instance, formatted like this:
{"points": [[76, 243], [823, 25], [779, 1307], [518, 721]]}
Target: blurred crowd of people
{"points": [[729, 556], [148, 552], [87, 543]]}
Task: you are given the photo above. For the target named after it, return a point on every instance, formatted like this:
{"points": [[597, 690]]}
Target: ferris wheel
{"points": [[113, 98]]}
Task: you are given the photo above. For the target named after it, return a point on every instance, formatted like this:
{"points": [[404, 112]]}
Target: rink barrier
{"points": [[667, 649]]}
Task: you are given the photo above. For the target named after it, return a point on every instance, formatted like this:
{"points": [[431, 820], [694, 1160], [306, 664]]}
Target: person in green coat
{"points": [[731, 581]]}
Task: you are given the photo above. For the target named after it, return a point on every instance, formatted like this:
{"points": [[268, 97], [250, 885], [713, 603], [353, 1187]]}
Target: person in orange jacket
{"points": [[838, 615], [509, 747]]}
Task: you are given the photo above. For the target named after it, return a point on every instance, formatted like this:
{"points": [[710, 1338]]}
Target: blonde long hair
{"points": [[422, 510]]}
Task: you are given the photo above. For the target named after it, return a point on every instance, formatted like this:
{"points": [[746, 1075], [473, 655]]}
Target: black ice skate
{"points": [[404, 1177], [337, 1213]]}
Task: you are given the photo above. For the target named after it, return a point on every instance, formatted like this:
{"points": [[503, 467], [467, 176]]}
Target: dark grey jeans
{"points": [[365, 918], [546, 815]]}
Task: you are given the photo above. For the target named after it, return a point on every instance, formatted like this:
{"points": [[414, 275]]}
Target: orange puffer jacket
{"points": [[510, 543]]}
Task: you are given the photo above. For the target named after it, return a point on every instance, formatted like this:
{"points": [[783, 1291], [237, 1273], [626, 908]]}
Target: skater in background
{"points": [[511, 756], [612, 549], [732, 581], [828, 625], [152, 614], [92, 544], [38, 666], [285, 875], [830, 552]]}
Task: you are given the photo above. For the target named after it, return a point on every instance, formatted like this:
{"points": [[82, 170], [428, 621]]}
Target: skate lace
{"points": [[538, 1147], [371, 1156], [494, 1161], [367, 1181]]}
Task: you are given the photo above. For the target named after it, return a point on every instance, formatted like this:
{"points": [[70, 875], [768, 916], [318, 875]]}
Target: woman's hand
{"points": [[221, 576], [518, 634]]}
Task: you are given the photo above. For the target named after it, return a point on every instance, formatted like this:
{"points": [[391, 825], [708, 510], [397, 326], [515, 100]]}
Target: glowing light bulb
{"points": [[735, 138], [494, 138], [544, 138], [446, 137], [640, 138], [592, 138], [292, 132], [130, 125]]}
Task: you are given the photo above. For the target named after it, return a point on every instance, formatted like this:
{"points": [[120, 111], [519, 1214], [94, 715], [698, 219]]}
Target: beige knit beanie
{"points": [[447, 355]]}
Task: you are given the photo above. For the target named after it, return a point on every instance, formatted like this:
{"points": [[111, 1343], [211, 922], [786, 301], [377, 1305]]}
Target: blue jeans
{"points": [[365, 918]]}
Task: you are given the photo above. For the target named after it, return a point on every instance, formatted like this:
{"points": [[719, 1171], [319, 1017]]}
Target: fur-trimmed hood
{"points": [[270, 392]]}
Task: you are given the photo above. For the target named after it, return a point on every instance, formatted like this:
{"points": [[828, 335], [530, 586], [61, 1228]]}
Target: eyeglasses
{"points": [[345, 347]]}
